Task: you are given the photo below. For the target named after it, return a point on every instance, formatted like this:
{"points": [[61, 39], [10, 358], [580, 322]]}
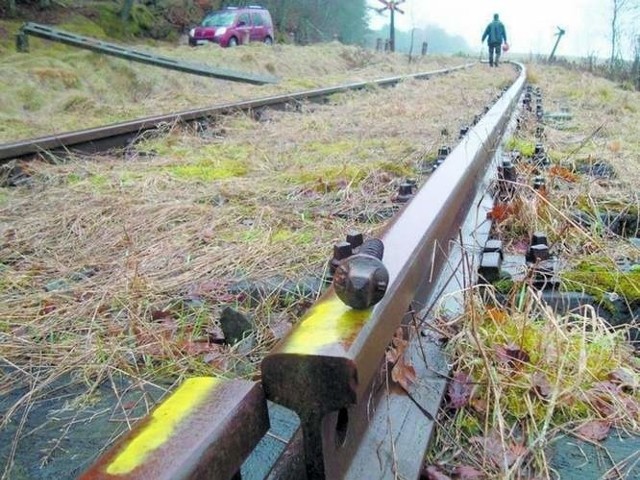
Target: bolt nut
{"points": [[539, 238], [355, 239]]}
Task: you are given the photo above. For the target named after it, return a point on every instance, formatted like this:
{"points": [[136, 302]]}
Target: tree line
{"points": [[306, 21]]}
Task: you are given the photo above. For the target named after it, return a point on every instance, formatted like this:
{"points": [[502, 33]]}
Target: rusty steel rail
{"points": [[325, 368], [118, 135], [205, 429], [331, 370]]}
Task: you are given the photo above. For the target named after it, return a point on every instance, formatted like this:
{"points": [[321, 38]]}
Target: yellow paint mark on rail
{"points": [[161, 424], [327, 323]]}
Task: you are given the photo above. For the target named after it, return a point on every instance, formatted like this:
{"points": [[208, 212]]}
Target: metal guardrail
{"points": [[331, 370], [117, 135], [79, 41]]}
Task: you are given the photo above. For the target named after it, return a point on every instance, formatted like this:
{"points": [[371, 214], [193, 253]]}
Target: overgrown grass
{"points": [[524, 375], [122, 265]]}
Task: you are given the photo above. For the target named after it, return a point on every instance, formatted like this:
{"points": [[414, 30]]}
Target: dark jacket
{"points": [[495, 33]]}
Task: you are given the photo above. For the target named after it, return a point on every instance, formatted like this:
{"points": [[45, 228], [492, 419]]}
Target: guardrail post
{"points": [[22, 42]]}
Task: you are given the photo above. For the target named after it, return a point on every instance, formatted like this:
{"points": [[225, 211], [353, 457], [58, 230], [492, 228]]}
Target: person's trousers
{"points": [[494, 54]]}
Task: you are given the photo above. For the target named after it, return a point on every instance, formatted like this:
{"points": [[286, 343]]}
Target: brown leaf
{"points": [[512, 355], [478, 404], [459, 390], [194, 348], [540, 384], [594, 430], [433, 473], [501, 454], [497, 315], [465, 472], [500, 212], [403, 374], [562, 172], [626, 378]]}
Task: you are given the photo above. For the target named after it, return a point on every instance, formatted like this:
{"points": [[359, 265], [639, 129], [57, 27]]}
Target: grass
{"points": [[523, 375], [130, 275], [60, 82], [530, 376]]}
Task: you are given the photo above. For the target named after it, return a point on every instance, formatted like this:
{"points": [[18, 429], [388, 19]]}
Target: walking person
{"points": [[495, 34]]}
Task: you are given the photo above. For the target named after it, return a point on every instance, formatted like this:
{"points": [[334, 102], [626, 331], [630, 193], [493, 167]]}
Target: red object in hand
{"points": [[505, 47]]}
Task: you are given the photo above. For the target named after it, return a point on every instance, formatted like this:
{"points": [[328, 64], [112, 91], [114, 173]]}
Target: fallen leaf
{"points": [[465, 472], [478, 404], [402, 371], [158, 315], [626, 378], [459, 390], [403, 374], [498, 315], [193, 348], [433, 473], [501, 454], [512, 354], [562, 172], [540, 384], [500, 212], [594, 430]]}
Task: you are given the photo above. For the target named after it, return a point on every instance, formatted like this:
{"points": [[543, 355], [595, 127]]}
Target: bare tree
{"points": [[623, 24]]}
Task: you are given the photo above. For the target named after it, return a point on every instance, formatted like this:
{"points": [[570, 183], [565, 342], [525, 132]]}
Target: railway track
{"points": [[119, 135], [331, 370], [335, 369]]}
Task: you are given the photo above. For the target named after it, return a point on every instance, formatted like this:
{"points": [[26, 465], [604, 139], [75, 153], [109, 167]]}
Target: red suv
{"points": [[234, 26]]}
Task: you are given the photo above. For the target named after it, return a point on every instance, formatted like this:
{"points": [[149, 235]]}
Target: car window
{"points": [[219, 19], [244, 17], [257, 19]]}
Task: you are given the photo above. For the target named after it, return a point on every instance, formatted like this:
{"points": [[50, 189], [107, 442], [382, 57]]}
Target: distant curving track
{"points": [[118, 135]]}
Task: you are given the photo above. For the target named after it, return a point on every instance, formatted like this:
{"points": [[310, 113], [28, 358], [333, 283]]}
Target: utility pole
{"points": [[391, 5], [559, 34]]}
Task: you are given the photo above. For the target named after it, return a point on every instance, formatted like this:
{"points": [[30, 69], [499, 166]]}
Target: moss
{"points": [[600, 277], [209, 162], [526, 148], [504, 285], [297, 237], [468, 423]]}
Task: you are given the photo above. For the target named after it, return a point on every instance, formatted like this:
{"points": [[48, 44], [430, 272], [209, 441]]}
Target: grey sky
{"points": [[530, 25]]}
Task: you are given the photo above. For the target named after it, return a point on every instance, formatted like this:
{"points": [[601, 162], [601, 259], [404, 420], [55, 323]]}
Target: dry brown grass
{"points": [[56, 88], [524, 375], [121, 264]]}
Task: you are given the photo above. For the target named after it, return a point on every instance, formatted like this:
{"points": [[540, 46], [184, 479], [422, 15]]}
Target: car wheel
{"points": [[233, 42], [268, 41]]}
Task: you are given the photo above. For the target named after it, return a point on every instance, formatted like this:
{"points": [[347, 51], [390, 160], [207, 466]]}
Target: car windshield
{"points": [[219, 19]]}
